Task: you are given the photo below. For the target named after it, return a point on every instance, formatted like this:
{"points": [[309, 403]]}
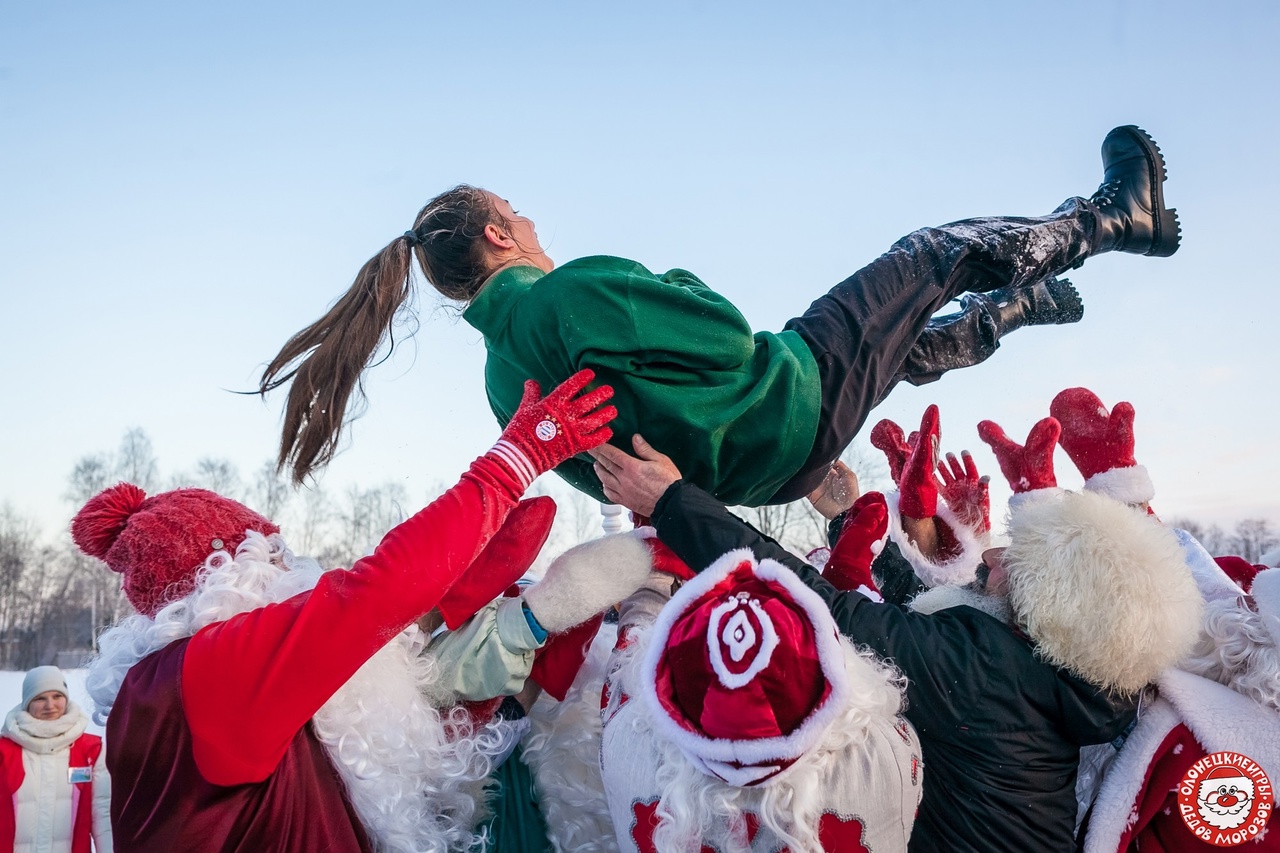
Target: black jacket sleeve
{"points": [[940, 654]]}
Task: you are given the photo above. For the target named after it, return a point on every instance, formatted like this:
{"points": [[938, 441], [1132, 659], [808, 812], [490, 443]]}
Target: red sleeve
{"points": [[249, 684]]}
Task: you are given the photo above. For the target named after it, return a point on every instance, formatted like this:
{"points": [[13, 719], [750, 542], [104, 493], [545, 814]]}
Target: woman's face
{"points": [[522, 232], [49, 705]]}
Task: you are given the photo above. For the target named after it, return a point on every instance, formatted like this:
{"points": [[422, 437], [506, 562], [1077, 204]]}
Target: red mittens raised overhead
{"points": [[967, 493], [1100, 443], [918, 487], [1028, 467], [546, 431]]}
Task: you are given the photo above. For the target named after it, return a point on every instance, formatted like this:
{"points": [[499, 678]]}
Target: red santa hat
{"points": [[160, 543], [744, 671]]}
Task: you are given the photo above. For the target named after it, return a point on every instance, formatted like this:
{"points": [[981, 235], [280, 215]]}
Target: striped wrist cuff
{"points": [[514, 458]]}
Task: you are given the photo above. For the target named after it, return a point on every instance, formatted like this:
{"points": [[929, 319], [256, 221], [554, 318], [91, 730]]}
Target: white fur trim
{"points": [[1128, 485], [587, 579], [1271, 558], [1101, 588], [941, 598], [1113, 807], [1020, 499], [1213, 582], [763, 750], [959, 569], [1219, 718]]}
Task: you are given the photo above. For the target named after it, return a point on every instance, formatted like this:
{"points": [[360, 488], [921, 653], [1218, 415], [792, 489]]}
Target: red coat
{"points": [[209, 743]]}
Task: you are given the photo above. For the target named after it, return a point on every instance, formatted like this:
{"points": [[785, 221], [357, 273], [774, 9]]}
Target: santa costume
{"points": [[258, 703], [736, 718], [1194, 715]]}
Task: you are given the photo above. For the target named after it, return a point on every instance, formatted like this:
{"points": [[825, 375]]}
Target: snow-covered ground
{"points": [[11, 692]]}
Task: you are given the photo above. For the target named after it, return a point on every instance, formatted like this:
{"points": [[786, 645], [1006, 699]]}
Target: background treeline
{"points": [[54, 600]]}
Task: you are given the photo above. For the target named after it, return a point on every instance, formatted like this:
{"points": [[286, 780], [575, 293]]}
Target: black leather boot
{"points": [[973, 334], [1128, 207]]}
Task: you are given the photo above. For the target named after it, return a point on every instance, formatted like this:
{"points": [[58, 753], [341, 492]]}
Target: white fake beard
{"points": [[941, 598], [413, 774]]}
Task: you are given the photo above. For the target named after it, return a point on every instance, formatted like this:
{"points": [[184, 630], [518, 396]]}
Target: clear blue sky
{"points": [[183, 186]]}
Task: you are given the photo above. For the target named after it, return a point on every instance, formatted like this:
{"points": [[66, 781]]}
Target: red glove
{"points": [[887, 436], [861, 539], [1026, 467], [966, 493], [545, 432], [1101, 445], [918, 488]]}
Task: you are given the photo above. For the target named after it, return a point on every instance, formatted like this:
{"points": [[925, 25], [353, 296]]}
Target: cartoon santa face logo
{"points": [[1226, 799]]}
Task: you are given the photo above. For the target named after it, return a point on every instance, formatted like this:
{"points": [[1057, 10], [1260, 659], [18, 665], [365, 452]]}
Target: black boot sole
{"points": [[1166, 230]]}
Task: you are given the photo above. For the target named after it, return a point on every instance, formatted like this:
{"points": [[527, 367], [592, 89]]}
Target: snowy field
{"points": [[11, 693]]}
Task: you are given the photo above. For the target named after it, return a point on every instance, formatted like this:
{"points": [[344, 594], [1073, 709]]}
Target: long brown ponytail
{"points": [[323, 364]]}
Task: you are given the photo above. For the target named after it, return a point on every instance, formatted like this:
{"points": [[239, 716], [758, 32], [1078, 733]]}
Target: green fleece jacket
{"points": [[737, 411]]}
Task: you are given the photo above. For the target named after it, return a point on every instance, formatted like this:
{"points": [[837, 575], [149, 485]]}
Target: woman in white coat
{"points": [[54, 790]]}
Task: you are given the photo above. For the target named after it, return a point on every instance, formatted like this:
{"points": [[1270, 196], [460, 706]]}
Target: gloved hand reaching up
{"points": [[967, 493], [546, 431], [1028, 467]]}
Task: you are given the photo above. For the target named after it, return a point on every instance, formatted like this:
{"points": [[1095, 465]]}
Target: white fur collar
{"points": [[954, 595], [959, 569], [45, 737]]}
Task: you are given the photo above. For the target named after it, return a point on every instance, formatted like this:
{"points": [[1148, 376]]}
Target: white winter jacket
{"points": [[45, 803]]}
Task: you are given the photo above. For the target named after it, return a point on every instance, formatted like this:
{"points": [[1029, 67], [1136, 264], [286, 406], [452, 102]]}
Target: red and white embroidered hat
{"points": [[160, 543], [744, 671]]}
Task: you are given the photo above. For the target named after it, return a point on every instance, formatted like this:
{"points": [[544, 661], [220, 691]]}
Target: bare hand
{"points": [[837, 492], [635, 482]]}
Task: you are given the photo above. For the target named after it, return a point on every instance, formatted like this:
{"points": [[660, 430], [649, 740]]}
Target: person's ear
{"points": [[497, 238]]}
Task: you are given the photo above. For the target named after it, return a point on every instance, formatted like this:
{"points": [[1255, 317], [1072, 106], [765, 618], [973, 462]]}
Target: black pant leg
{"points": [[861, 331]]}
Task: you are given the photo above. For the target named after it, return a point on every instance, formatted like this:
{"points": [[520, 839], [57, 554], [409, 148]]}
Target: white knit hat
{"points": [[40, 680]]}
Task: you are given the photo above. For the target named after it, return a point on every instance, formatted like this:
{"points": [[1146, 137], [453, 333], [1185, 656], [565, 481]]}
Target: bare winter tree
{"points": [[270, 493], [1254, 537], [136, 462], [1214, 539]]}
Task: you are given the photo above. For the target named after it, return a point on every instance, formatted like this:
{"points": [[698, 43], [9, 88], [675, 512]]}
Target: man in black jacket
{"points": [[1100, 601]]}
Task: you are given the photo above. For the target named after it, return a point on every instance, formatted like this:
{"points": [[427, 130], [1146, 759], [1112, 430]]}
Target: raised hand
{"points": [[1095, 439], [967, 493], [887, 437], [1027, 467], [918, 485], [546, 431], [1100, 443]]}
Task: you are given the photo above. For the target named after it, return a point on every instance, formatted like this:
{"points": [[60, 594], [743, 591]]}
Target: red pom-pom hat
{"points": [[160, 543], [744, 671]]}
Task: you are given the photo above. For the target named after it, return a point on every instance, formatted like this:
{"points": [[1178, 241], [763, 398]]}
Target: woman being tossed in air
{"points": [[754, 418]]}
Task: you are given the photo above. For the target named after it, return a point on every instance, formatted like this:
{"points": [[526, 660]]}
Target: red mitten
{"points": [[1028, 467], [546, 431], [1100, 443], [887, 437], [918, 487], [967, 494], [861, 539], [508, 555]]}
